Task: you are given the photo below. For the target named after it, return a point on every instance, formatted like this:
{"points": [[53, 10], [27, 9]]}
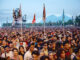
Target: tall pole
{"points": [[63, 23], [44, 29], [33, 21], [7, 24], [21, 22], [21, 26], [7, 21], [44, 18], [73, 21], [31, 27], [25, 21]]}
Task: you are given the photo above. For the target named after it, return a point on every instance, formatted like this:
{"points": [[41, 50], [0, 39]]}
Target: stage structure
{"points": [[18, 19]]}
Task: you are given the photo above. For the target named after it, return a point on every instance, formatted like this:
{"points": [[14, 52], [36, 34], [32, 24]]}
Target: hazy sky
{"points": [[29, 7]]}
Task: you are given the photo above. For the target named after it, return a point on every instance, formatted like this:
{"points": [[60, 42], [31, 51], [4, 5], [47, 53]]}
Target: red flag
{"points": [[44, 14], [34, 20]]}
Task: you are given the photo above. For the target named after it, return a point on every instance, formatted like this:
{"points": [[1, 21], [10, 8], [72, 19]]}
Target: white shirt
{"points": [[10, 54], [73, 55], [27, 55]]}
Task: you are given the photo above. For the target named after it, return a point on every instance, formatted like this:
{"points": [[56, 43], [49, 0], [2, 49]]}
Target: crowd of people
{"points": [[34, 44]]}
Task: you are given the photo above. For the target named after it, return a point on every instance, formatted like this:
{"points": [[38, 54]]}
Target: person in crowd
{"points": [[61, 55], [42, 53], [67, 49], [45, 49], [54, 46], [4, 43], [7, 53], [28, 54], [51, 56], [21, 51], [77, 56], [16, 56], [2, 50], [44, 58], [35, 55]]}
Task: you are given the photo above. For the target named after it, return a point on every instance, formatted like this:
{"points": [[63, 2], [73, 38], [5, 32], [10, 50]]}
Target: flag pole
{"points": [[21, 23], [63, 23], [33, 21], [44, 18], [31, 27], [21, 28], [44, 29]]}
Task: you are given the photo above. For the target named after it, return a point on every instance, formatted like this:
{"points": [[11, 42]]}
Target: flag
{"points": [[44, 13], [34, 19]]}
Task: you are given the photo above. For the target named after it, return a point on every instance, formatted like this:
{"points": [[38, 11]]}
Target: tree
{"points": [[77, 20]]}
